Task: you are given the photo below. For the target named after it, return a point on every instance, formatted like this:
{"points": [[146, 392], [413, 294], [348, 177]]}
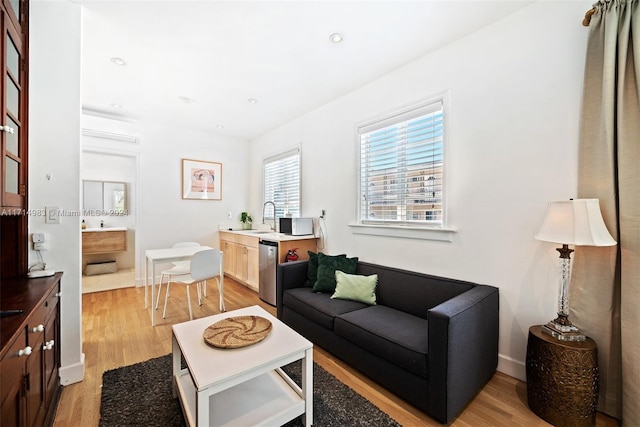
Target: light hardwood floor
{"points": [[117, 332]]}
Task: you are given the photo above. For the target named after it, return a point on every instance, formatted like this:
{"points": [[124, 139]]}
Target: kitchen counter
{"points": [[269, 235]]}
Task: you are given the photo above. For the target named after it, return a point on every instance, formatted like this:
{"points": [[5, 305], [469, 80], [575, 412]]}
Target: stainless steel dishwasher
{"points": [[268, 255]]}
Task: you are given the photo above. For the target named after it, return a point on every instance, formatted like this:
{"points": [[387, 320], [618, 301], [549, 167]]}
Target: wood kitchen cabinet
{"points": [[241, 254], [228, 249], [247, 264], [30, 352], [240, 257]]}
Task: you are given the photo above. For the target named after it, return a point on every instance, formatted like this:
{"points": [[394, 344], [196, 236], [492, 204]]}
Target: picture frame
{"points": [[201, 180]]}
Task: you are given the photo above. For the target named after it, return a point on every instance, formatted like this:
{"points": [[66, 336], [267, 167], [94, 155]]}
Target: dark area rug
{"points": [[140, 395]]}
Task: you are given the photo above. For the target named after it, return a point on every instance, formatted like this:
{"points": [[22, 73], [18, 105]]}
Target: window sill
{"points": [[437, 234]]}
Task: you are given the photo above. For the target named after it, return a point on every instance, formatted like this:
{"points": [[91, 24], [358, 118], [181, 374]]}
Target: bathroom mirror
{"points": [[104, 197]]}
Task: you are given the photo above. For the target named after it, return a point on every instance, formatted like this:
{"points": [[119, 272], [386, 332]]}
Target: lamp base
{"points": [[563, 332]]}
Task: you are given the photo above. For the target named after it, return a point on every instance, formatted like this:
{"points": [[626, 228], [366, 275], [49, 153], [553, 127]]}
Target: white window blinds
{"points": [[401, 167], [282, 184]]}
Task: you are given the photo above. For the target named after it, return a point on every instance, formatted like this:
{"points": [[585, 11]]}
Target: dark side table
{"points": [[562, 379]]}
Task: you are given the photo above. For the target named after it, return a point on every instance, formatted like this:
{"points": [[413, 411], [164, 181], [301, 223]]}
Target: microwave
{"points": [[296, 226]]}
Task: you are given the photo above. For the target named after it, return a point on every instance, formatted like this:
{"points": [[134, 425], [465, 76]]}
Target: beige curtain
{"points": [[605, 288]]}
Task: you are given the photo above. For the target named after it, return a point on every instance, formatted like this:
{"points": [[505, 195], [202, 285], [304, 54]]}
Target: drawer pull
{"points": [[25, 352], [48, 345], [38, 328], [59, 294]]}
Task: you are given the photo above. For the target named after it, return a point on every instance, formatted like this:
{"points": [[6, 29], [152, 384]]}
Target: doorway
{"points": [[106, 266]]}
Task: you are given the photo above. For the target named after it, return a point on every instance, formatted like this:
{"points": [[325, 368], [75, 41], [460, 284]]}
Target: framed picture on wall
{"points": [[201, 180]]}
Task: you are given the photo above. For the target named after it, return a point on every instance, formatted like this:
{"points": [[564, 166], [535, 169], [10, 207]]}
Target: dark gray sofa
{"points": [[432, 341]]}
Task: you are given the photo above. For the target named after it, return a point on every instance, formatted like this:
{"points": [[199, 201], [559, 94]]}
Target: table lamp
{"points": [[571, 222]]}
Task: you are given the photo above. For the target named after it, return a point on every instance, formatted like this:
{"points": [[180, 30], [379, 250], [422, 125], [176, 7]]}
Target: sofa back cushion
{"points": [[412, 292]]}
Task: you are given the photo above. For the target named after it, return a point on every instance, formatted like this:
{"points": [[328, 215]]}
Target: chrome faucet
{"points": [[273, 228]]}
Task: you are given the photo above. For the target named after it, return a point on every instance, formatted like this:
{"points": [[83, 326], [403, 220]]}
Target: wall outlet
{"points": [[37, 237], [40, 246]]}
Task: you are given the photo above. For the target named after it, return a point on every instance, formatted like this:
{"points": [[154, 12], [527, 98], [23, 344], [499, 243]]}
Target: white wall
{"points": [[166, 218], [515, 92], [54, 148]]}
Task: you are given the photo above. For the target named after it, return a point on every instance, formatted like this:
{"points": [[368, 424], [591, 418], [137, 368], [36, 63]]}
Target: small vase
{"points": [[246, 226]]}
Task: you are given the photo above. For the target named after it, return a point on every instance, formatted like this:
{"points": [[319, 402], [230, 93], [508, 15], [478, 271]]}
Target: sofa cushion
{"points": [[327, 266], [355, 287], [391, 334], [318, 307]]}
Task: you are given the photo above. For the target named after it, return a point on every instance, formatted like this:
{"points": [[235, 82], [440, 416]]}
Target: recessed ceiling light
{"points": [[118, 61], [252, 101], [115, 105], [219, 127], [186, 99], [335, 37]]}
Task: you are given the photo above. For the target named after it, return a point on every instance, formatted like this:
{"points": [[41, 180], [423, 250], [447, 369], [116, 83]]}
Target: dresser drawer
{"points": [[41, 316]]}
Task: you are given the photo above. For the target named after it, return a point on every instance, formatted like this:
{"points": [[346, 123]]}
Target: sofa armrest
{"points": [[289, 275], [463, 349]]}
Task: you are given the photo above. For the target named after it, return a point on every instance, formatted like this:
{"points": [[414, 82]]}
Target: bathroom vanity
{"points": [[104, 240]]}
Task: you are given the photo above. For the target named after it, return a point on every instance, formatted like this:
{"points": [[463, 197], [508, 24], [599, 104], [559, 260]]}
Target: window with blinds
{"points": [[282, 184], [401, 167]]}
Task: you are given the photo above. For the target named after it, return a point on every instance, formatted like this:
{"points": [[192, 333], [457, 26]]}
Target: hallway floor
{"points": [[124, 278]]}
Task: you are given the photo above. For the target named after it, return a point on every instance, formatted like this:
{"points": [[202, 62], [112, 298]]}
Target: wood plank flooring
{"points": [[117, 332]]}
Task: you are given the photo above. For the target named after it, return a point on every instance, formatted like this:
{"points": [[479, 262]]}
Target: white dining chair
{"points": [[206, 264], [179, 267]]}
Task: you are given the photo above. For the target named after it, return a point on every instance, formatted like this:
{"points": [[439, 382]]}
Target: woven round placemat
{"points": [[239, 331]]}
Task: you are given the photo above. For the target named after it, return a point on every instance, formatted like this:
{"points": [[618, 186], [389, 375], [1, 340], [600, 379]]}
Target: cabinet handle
{"points": [[59, 294], [7, 129], [38, 328], [25, 352], [48, 345]]}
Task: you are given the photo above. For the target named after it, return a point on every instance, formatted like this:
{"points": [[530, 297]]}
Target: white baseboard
{"points": [[140, 281], [71, 374], [512, 367]]}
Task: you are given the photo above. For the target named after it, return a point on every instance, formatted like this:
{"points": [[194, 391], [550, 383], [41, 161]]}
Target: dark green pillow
{"points": [[312, 268], [327, 266]]}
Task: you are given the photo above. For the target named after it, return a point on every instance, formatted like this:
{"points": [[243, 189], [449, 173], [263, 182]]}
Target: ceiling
{"points": [[198, 63]]}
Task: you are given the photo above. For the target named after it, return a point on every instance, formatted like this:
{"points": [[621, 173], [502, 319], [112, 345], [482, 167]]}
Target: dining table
{"points": [[156, 256]]}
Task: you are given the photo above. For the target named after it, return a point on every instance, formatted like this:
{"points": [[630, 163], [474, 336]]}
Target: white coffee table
{"points": [[243, 386]]}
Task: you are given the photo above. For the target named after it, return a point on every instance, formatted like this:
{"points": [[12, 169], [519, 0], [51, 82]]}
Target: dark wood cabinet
{"points": [[14, 105], [30, 352], [14, 112]]}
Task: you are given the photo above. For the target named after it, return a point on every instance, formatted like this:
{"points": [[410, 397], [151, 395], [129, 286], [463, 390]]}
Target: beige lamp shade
{"points": [[575, 222]]}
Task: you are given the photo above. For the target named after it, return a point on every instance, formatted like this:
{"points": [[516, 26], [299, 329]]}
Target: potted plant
{"points": [[246, 220]]}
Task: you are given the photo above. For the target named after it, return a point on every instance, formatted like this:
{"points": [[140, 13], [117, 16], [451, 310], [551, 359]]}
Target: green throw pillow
{"points": [[327, 266], [356, 287], [312, 268]]}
